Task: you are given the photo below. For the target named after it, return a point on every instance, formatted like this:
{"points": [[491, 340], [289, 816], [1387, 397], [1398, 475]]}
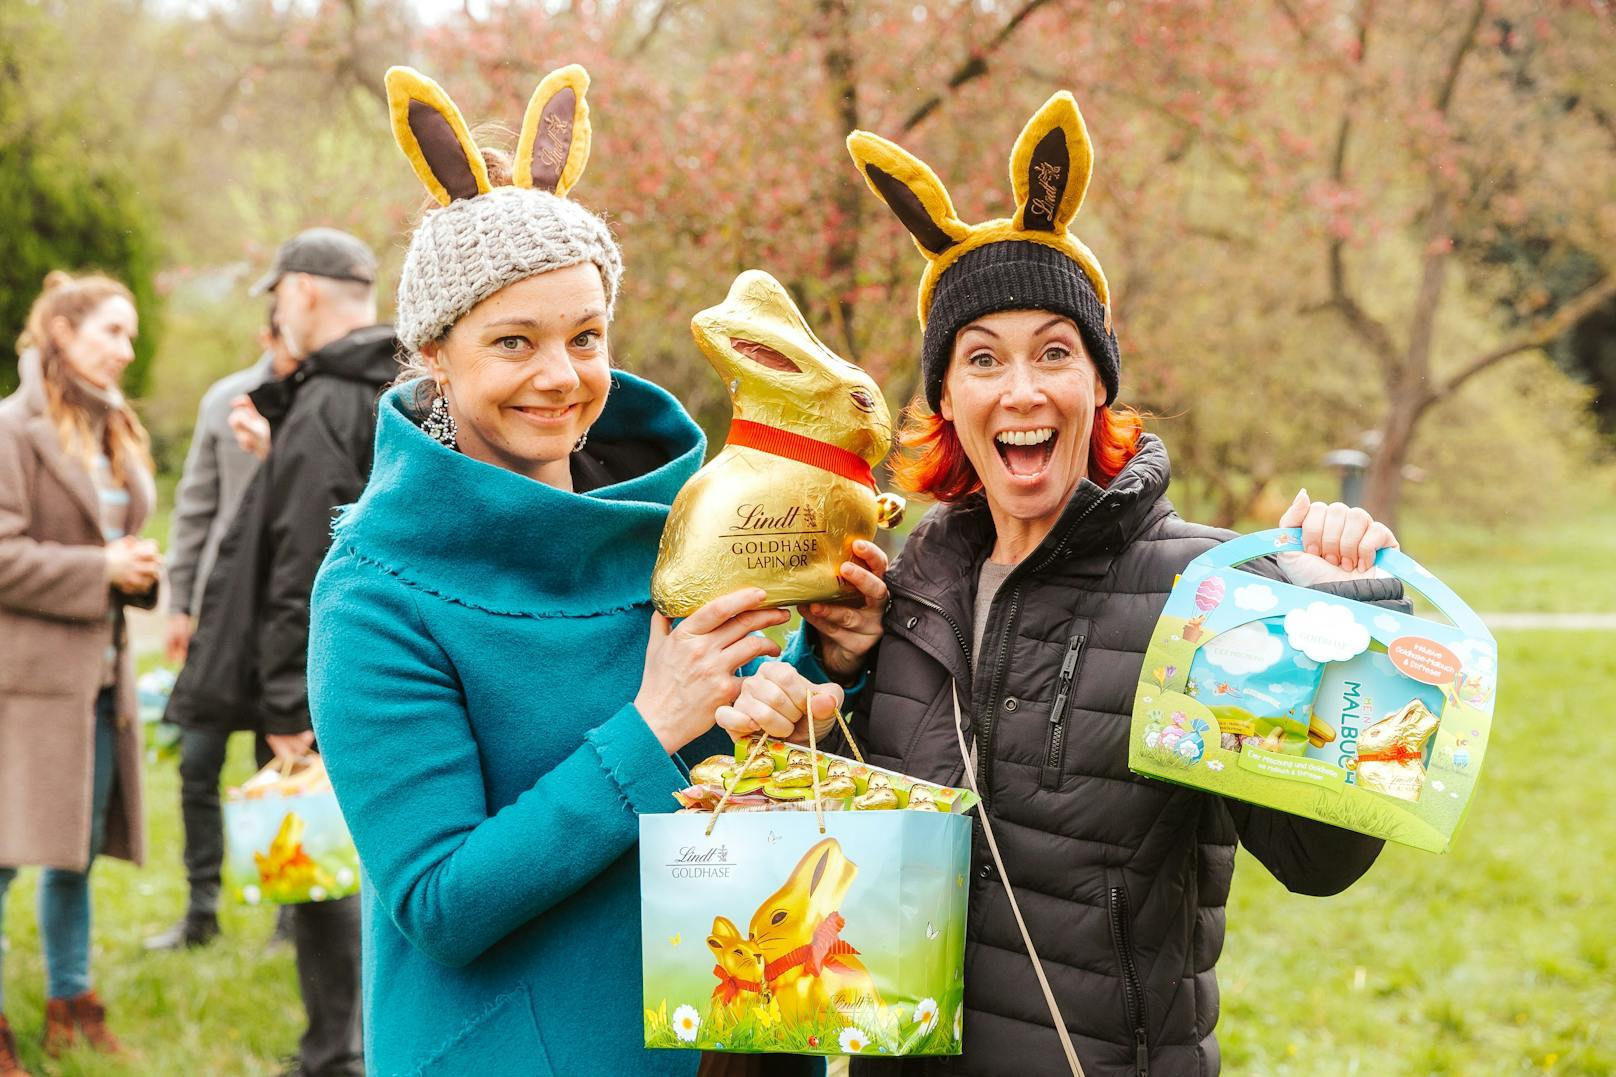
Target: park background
{"points": [[1328, 224]]}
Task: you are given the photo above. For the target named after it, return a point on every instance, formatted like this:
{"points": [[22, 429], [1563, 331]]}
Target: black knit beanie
{"points": [[1014, 274]]}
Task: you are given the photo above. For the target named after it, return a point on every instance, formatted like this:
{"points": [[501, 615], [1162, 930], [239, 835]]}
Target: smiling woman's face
{"points": [[1021, 393], [526, 372]]}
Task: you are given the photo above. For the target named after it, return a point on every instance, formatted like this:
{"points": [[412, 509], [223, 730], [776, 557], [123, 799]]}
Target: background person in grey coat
{"points": [[217, 471]]}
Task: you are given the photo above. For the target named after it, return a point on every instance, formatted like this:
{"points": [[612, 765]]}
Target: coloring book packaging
{"points": [[1316, 705], [770, 936], [285, 840]]}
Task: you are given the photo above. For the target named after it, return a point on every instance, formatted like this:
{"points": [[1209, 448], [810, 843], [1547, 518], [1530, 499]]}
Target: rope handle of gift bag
{"points": [[761, 744], [1015, 907]]}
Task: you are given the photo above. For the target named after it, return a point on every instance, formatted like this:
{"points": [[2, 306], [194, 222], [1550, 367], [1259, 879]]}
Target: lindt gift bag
{"points": [[1316, 705], [285, 841], [776, 928]]}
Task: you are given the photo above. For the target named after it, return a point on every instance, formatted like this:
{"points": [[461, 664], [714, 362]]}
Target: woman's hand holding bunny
{"points": [[848, 633], [690, 667], [773, 701]]}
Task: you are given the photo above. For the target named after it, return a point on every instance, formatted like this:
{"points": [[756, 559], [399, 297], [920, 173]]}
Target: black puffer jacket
{"points": [[1122, 879], [249, 658]]}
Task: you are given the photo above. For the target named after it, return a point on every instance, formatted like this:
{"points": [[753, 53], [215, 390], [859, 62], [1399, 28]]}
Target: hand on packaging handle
{"points": [[1338, 542], [690, 667], [848, 633], [772, 701], [290, 746]]}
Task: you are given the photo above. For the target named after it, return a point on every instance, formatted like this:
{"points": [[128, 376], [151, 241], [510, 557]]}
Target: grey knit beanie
{"points": [[466, 251]]}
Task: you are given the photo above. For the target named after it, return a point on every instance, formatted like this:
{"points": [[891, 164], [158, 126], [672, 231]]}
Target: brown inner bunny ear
{"points": [[1048, 173], [442, 150], [553, 139], [763, 355], [819, 870], [906, 206]]}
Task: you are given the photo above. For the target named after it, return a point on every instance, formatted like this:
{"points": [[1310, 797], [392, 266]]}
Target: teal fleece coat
{"points": [[476, 640]]}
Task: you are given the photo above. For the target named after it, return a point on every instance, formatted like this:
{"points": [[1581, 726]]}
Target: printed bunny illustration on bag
{"points": [[781, 504], [808, 967], [847, 940]]}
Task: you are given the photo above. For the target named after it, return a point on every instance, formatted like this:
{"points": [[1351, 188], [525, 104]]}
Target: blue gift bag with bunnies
{"points": [[285, 839]]}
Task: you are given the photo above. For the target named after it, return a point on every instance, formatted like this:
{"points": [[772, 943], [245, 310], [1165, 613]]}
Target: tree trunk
{"points": [[847, 196], [1383, 483]]}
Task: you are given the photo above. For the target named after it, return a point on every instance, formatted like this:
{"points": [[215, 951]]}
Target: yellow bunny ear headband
{"points": [[486, 237], [1030, 261]]}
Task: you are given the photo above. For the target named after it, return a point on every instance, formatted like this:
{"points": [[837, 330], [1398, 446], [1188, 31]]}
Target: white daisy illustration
{"points": [[926, 1015], [685, 1023], [959, 1022], [250, 895], [1214, 764], [853, 1040]]}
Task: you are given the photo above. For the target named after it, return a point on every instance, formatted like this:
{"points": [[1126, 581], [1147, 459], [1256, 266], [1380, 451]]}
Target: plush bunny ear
{"points": [[910, 189], [554, 146], [1050, 167], [433, 135]]}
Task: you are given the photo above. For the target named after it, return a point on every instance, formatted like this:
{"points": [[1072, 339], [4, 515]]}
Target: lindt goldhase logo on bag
{"points": [[696, 862]]}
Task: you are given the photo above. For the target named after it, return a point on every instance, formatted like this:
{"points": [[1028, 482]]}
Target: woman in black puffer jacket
{"points": [[1032, 591]]}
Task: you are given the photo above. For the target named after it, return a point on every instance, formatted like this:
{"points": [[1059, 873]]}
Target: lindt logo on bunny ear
{"points": [[1048, 177]]}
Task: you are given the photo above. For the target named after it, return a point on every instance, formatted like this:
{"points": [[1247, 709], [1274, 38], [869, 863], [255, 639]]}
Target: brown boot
{"points": [[10, 1064], [58, 1026], [91, 1017]]}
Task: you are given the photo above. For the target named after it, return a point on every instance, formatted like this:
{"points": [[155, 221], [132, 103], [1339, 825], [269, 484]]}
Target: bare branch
{"points": [[1541, 335], [1450, 80], [975, 65], [663, 9]]}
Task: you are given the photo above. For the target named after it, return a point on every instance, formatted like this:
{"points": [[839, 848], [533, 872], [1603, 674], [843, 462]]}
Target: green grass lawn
{"points": [[1566, 564], [231, 1008], [1497, 958]]}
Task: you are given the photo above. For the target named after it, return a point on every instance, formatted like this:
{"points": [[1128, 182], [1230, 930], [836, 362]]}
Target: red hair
{"points": [[933, 464]]}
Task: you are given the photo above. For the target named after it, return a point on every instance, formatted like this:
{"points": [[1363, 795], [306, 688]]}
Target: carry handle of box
{"points": [[1396, 563]]}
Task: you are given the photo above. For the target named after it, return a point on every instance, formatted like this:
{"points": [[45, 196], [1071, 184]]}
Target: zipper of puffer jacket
{"points": [[1133, 992], [959, 633], [984, 742], [1057, 714]]}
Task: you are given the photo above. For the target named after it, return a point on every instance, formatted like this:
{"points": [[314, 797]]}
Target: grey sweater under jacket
{"points": [[217, 471], [1122, 879]]}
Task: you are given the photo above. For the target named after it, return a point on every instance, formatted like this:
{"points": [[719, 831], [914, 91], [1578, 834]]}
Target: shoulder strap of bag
{"points": [[1015, 907]]}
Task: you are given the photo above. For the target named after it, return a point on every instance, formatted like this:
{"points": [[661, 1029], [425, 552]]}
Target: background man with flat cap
{"points": [[248, 662]]}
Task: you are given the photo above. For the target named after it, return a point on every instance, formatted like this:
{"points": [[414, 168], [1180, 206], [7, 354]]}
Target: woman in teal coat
{"points": [[475, 668]]}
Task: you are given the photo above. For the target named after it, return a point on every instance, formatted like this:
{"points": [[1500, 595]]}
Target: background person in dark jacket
{"points": [[248, 659], [1033, 590], [217, 472]]}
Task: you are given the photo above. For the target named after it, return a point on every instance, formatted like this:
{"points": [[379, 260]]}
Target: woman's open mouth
{"points": [[1026, 453]]}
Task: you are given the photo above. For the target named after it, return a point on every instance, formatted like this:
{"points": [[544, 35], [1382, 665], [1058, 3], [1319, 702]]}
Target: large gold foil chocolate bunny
{"points": [[809, 970], [781, 505]]}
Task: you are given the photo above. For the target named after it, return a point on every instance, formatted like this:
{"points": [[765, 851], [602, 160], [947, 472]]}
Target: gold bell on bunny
{"points": [[782, 503]]}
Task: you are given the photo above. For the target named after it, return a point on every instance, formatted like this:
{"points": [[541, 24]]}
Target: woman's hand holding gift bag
{"points": [[774, 701]]}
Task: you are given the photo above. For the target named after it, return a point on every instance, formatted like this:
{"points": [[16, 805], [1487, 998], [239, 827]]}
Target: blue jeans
{"points": [[64, 896]]}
